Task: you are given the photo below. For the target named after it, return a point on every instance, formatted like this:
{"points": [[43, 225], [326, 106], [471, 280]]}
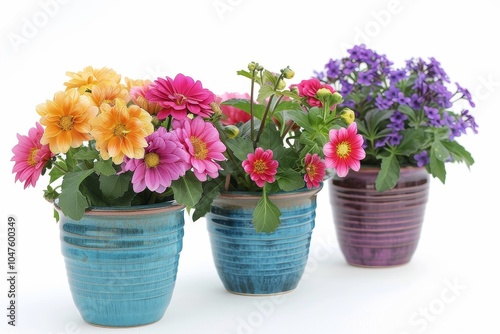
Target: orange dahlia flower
{"points": [[120, 131], [67, 120]]}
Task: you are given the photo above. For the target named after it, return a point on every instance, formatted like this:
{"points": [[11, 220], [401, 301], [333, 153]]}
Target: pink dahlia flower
{"points": [[201, 140], [165, 160], [344, 150], [232, 115], [315, 170], [309, 88], [261, 166], [30, 156], [180, 96]]}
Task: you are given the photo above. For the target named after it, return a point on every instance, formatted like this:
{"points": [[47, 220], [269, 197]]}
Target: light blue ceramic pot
{"points": [[122, 263], [253, 263]]}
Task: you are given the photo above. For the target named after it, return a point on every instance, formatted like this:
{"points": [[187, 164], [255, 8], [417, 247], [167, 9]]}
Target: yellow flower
{"points": [[66, 119], [107, 93], [84, 80], [120, 131]]}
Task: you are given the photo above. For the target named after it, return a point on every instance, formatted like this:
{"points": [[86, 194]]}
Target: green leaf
{"points": [[187, 190], [437, 167], [211, 190], [408, 112], [389, 173], [71, 201], [264, 93], [374, 119], [459, 153], [270, 138], [244, 104], [85, 153], [104, 167], [240, 147], [290, 180], [73, 204], [439, 151], [411, 142], [299, 117], [114, 186], [266, 216]]}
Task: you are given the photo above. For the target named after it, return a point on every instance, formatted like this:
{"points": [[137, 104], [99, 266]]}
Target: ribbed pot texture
{"points": [[253, 263], [122, 263], [379, 229]]}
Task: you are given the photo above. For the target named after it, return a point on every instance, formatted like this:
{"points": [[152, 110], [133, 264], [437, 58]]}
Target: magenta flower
{"points": [[232, 115], [344, 150], [261, 166], [165, 160], [315, 170], [201, 140], [180, 96], [30, 156], [309, 88]]}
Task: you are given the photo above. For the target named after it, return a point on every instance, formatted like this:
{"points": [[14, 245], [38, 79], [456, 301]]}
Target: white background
{"points": [[210, 40]]}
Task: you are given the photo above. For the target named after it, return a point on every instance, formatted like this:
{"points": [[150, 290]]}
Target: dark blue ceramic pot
{"points": [[122, 262], [253, 263]]}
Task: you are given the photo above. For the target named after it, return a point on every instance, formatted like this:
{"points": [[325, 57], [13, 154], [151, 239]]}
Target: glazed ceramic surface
{"points": [[379, 229], [253, 263], [122, 264]]}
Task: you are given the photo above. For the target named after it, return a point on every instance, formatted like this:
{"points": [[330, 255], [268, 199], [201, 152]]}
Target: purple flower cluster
{"points": [[368, 81]]}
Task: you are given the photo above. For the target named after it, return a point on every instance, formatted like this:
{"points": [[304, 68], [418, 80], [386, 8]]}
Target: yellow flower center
{"points": [[343, 149], [179, 99], [259, 166], [311, 170], [152, 159], [120, 130], [66, 123], [200, 148], [31, 157]]}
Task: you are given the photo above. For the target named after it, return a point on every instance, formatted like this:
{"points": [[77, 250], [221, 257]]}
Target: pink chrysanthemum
{"points": [[308, 88], [344, 150], [261, 166], [165, 160], [30, 156], [179, 96], [315, 170], [201, 140]]}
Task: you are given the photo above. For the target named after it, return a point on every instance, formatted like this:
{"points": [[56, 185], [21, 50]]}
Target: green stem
{"points": [[252, 134]]}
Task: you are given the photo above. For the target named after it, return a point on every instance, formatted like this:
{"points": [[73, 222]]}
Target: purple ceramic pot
{"points": [[379, 229]]}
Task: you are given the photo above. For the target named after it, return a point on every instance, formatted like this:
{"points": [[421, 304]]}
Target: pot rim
{"points": [[238, 194], [134, 210]]}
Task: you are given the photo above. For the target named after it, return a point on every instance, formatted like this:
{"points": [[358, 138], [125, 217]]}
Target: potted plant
{"points": [[124, 158], [410, 118], [280, 141]]}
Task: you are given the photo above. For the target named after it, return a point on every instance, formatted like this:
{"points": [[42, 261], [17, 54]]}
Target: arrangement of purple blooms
{"points": [[408, 116]]}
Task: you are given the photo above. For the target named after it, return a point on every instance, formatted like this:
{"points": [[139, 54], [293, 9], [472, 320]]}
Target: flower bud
{"points": [[294, 89], [216, 108], [288, 73], [337, 98], [323, 93], [252, 66], [347, 115], [281, 84], [231, 131]]}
